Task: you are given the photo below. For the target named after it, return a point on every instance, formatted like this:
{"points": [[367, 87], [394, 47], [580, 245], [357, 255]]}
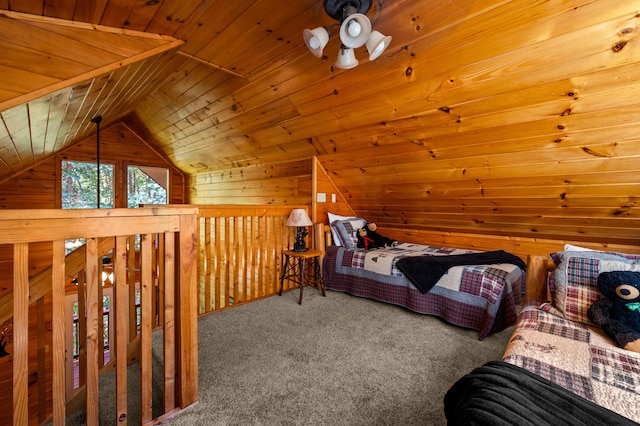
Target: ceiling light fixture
{"points": [[355, 31]]}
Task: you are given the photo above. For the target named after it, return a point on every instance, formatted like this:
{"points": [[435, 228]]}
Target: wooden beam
{"points": [[155, 44], [211, 64]]}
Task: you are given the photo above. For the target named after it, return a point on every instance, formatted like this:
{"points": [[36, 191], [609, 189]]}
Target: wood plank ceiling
{"points": [[502, 116]]}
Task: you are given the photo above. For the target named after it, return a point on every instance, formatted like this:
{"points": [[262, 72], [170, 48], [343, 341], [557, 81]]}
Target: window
{"points": [[146, 185], [79, 189], [79, 185]]}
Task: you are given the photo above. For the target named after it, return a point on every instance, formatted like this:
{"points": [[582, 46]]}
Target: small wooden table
{"points": [[303, 268]]}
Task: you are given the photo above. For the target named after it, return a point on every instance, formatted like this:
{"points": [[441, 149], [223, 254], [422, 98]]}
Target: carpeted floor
{"points": [[339, 360]]}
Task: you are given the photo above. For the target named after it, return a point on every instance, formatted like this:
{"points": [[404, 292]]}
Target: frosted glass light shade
{"points": [[346, 59], [316, 39], [376, 44], [355, 30]]}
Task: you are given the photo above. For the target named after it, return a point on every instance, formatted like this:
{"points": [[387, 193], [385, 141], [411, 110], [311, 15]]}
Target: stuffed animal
{"points": [[368, 238], [618, 313]]}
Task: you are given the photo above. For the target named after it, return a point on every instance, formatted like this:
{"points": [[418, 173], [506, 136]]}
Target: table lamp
{"points": [[300, 219]]}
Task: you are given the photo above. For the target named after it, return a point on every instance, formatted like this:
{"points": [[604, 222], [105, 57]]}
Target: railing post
{"points": [[187, 314]]}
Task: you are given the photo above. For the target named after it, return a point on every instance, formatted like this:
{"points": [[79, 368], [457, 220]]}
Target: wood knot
{"points": [[594, 153], [408, 71], [619, 46]]}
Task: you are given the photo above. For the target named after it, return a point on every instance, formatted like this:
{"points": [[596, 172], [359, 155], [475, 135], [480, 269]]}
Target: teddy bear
{"points": [[618, 313], [368, 238]]}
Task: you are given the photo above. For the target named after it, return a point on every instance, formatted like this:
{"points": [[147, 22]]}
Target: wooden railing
{"points": [[169, 232], [241, 253], [240, 258]]}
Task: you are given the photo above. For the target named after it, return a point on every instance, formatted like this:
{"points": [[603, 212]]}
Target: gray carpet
{"points": [[339, 360]]}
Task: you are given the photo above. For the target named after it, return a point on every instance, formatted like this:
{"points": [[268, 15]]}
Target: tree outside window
{"points": [[79, 185], [146, 185]]}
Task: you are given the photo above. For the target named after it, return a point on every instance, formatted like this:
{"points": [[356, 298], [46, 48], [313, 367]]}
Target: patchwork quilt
{"points": [[578, 358], [481, 297]]}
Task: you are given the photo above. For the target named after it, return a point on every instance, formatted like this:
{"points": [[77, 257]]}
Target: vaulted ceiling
{"points": [[512, 115]]}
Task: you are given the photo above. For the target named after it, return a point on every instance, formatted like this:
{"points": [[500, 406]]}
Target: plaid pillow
{"points": [[574, 282], [346, 230]]}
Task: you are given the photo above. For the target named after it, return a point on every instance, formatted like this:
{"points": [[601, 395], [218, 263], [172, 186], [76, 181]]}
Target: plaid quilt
{"points": [[481, 297], [578, 358]]}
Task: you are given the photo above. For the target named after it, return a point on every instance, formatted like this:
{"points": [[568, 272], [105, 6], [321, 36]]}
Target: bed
{"points": [[483, 297], [558, 368]]}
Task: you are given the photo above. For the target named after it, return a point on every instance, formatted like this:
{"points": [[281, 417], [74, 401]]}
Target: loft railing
{"points": [[240, 256], [237, 260], [167, 276]]}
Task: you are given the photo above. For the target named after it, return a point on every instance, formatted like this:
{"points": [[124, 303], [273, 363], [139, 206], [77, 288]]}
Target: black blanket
{"points": [[502, 394], [425, 271]]}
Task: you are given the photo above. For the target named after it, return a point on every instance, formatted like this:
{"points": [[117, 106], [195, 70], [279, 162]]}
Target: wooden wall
{"points": [[324, 192], [520, 246], [288, 183]]}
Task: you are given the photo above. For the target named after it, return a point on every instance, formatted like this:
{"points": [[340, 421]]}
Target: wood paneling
{"points": [[327, 189], [276, 184], [493, 117]]}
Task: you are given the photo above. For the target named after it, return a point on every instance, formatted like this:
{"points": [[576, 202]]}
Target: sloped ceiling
{"points": [[57, 75], [498, 116]]}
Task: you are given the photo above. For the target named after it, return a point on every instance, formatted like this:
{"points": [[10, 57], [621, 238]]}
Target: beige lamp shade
{"points": [[298, 217]]}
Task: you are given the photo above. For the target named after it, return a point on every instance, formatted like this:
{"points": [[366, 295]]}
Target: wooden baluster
{"points": [[207, 255], [237, 261], [161, 279], [131, 275], [146, 300], [94, 329], [154, 276], [121, 296], [227, 263], [245, 244], [82, 327], [58, 326], [169, 322], [42, 367], [216, 266], [262, 272], [254, 255], [20, 333]]}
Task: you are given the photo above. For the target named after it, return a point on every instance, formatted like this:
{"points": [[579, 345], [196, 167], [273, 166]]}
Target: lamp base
{"points": [[300, 244]]}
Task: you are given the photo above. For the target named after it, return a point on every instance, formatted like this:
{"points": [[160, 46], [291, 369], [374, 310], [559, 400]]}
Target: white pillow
{"points": [[334, 234], [571, 247]]}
